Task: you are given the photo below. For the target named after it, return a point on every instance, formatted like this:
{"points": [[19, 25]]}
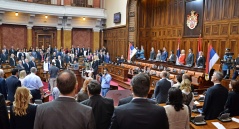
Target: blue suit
{"points": [[106, 59], [141, 54], [164, 56]]}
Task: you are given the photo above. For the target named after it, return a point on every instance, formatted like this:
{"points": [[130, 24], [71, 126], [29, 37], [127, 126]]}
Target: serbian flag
{"points": [[178, 49], [131, 51], [212, 58]]}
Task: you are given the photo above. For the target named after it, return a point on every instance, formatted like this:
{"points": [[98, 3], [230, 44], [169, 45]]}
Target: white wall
{"points": [[115, 6]]}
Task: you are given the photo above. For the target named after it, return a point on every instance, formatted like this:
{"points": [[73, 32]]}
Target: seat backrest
{"points": [[116, 95]]}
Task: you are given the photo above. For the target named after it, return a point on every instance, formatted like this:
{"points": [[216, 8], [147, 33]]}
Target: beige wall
{"points": [[115, 6]]}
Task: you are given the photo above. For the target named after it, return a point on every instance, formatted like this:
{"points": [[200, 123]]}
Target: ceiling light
{"points": [[46, 16], [16, 13], [84, 18]]}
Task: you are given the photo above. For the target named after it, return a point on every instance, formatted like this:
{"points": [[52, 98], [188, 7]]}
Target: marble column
{"points": [[67, 38], [58, 37], [29, 37], [96, 39]]}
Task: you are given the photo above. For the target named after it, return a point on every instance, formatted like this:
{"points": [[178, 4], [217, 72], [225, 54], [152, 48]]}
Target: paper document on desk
{"points": [[218, 125], [196, 102], [201, 96], [235, 119]]}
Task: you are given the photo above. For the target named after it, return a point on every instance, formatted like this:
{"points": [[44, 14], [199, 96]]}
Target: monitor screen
{"points": [[117, 17]]}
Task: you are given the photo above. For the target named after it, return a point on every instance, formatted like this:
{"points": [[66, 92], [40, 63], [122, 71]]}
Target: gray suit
{"points": [[64, 113], [190, 60], [172, 58]]}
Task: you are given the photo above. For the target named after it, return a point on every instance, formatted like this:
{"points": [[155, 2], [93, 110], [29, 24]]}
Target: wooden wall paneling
{"points": [[234, 47], [235, 9], [225, 9], [207, 10]]}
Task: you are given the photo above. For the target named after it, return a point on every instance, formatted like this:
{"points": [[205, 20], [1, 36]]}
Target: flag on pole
{"points": [[199, 45], [212, 58], [132, 51], [178, 51]]}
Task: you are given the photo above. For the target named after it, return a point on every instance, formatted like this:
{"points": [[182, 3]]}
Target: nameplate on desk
{"points": [[218, 125]]}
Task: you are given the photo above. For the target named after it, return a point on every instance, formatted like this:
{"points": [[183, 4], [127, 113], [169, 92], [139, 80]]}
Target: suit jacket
{"points": [[23, 122], [172, 58], [139, 114], [103, 109], [200, 62], [27, 67], [12, 62], [3, 87], [3, 58], [12, 84], [128, 99], [67, 59], [59, 65], [161, 90], [101, 58], [32, 64], [73, 115], [152, 55], [20, 67], [12, 51], [4, 120], [95, 66], [232, 104], [190, 60], [164, 56], [215, 99]]}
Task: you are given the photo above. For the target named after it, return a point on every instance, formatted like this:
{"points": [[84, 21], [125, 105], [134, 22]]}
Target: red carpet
{"points": [[45, 87]]}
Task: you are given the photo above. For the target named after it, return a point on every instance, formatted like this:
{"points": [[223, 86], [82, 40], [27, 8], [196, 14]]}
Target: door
{"points": [[44, 40]]}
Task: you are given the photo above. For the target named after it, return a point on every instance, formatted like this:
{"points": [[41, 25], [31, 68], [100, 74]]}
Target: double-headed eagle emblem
{"points": [[192, 20]]}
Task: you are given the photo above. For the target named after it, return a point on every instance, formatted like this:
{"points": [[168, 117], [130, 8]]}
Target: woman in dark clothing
{"points": [[232, 105], [22, 113]]}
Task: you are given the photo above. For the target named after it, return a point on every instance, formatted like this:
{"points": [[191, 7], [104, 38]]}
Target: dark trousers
{"points": [[235, 74], [36, 94]]}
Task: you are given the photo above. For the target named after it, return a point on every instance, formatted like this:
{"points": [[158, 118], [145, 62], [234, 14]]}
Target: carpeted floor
{"points": [[45, 87]]}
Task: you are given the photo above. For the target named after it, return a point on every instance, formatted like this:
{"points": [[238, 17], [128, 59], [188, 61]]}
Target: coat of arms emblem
{"points": [[192, 20]]}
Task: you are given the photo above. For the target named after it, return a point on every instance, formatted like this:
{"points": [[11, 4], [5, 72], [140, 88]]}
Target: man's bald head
{"points": [[66, 82]]}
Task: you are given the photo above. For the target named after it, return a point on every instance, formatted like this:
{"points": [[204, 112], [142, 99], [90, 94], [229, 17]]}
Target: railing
{"points": [[77, 3]]}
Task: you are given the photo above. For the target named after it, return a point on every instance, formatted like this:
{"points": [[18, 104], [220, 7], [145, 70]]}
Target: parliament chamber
{"points": [[124, 38]]}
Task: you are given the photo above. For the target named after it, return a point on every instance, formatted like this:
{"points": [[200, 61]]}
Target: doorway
{"points": [[44, 40]]}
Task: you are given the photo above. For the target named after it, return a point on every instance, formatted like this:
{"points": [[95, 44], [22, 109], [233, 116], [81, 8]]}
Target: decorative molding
{"points": [[131, 29], [131, 14], [34, 8]]}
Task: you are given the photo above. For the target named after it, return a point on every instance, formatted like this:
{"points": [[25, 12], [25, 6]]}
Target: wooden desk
{"points": [[209, 125]]}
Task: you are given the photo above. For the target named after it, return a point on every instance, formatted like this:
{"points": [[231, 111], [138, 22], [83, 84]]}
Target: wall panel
{"points": [[220, 26], [82, 37], [13, 35]]}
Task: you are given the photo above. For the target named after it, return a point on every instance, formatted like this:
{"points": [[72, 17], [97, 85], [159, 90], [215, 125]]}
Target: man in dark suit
{"points": [[26, 66], [3, 56], [101, 58], [3, 85], [235, 74], [12, 61], [172, 57], [65, 112], [20, 66], [128, 99], [139, 113], [67, 58], [5, 50], [12, 51], [50, 49], [94, 66], [215, 99], [190, 58], [32, 63], [200, 63], [12, 84], [164, 55], [4, 120], [161, 88], [103, 108], [59, 63]]}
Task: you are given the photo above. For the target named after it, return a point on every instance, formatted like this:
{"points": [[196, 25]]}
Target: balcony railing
{"points": [[77, 3]]}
